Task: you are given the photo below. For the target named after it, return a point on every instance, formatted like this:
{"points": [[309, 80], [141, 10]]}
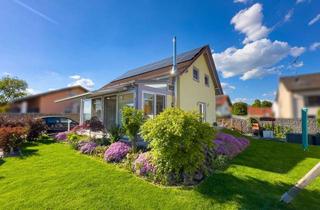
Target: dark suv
{"points": [[58, 124]]}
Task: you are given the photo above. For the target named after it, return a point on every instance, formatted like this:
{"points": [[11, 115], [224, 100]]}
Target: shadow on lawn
{"points": [[250, 193], [1, 161], [273, 156], [27, 152]]}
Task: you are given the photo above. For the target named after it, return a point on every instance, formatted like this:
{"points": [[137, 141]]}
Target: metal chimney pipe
{"points": [[174, 57], [175, 74]]}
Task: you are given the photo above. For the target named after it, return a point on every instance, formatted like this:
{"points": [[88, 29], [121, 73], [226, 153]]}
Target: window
{"points": [[202, 111], [313, 100], [87, 109], [153, 104], [160, 104], [195, 74], [124, 100], [97, 108], [148, 104], [206, 80]]}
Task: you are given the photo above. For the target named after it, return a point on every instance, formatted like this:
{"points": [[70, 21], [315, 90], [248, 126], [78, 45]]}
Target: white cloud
{"points": [[31, 91], [315, 46], [241, 99], [254, 59], [249, 22], [270, 94], [241, 1], [314, 20], [297, 51], [259, 73], [84, 82], [227, 87], [298, 64], [6, 74], [288, 16], [75, 77]]}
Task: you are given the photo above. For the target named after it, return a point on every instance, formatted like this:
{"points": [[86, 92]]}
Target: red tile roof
{"points": [[221, 99], [260, 111]]}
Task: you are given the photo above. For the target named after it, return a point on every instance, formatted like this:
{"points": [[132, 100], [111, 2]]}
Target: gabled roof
{"points": [[50, 92], [302, 82], [163, 68], [222, 99]]}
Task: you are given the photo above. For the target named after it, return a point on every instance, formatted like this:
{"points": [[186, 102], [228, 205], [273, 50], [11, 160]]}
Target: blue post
{"points": [[304, 122]]}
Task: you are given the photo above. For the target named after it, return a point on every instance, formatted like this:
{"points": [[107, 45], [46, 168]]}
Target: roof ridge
{"points": [[179, 57]]}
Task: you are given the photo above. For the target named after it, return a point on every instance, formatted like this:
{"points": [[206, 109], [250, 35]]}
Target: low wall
{"points": [[75, 117], [243, 125]]}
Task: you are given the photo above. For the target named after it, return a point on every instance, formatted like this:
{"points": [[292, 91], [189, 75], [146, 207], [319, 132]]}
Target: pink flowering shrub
{"points": [[88, 147], [143, 165], [62, 136], [226, 144], [116, 152]]}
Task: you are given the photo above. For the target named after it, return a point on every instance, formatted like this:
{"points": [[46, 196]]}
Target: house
{"points": [[257, 112], [296, 92], [44, 102], [150, 88], [223, 106]]}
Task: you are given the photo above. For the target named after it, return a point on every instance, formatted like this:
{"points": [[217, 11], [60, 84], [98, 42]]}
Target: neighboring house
{"points": [[223, 106], [44, 102], [296, 92], [150, 88], [257, 112]]}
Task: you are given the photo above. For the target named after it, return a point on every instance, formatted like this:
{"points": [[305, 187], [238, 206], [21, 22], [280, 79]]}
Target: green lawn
{"points": [[53, 176]]}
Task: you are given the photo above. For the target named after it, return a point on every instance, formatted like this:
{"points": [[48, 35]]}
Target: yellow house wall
{"points": [[192, 92], [285, 101]]}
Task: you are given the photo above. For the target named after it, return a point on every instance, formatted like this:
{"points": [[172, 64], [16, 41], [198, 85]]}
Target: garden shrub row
{"points": [[14, 132], [181, 148]]}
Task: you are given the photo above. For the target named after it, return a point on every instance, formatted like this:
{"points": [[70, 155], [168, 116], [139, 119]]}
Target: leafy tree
{"points": [[266, 104], [132, 119], [11, 88], [239, 108], [256, 103]]}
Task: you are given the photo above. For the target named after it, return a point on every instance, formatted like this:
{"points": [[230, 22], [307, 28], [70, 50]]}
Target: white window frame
{"points": [[203, 112], [197, 70], [154, 101]]}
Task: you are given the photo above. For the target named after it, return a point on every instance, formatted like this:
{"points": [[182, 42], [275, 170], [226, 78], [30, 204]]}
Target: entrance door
{"points": [[110, 112]]}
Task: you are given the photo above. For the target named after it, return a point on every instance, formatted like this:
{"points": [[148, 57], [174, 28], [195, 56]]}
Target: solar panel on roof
{"points": [[160, 64]]}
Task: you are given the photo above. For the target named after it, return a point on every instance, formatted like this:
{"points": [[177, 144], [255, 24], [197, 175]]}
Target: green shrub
{"points": [[178, 140], [115, 132], [239, 108], [220, 162], [74, 139], [132, 119], [99, 151], [281, 131]]}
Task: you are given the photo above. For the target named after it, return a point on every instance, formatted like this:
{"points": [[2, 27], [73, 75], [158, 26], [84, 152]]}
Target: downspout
{"points": [[175, 75]]}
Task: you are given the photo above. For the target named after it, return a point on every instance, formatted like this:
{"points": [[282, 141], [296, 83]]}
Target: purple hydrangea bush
{"points": [[228, 145], [116, 152], [143, 164], [62, 136], [88, 147]]}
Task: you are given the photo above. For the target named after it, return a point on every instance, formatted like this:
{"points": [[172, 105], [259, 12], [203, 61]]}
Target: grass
{"points": [[53, 176]]}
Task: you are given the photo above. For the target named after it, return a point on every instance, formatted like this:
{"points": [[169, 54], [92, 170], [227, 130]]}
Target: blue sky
{"points": [[52, 44]]}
